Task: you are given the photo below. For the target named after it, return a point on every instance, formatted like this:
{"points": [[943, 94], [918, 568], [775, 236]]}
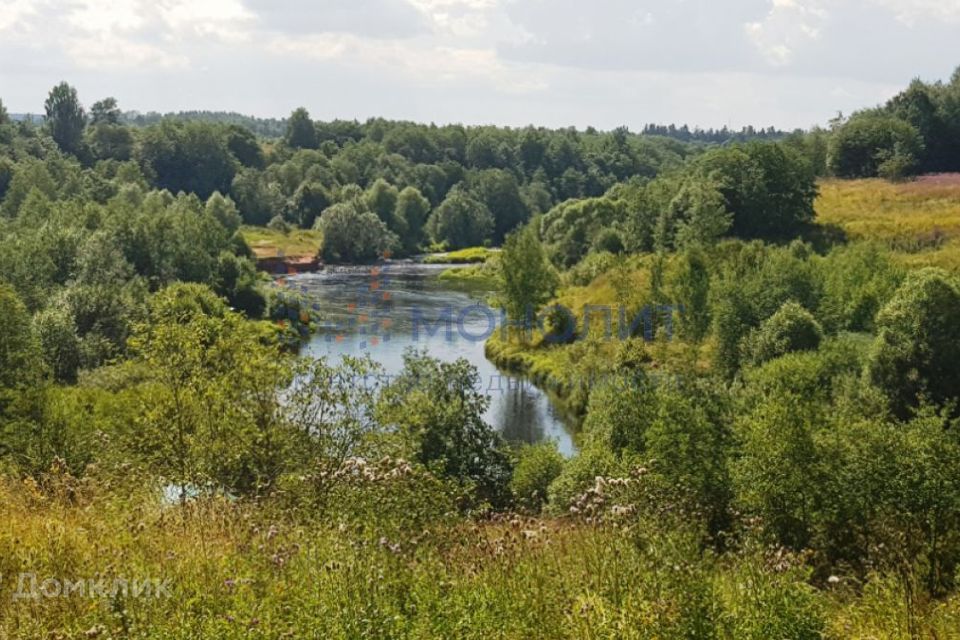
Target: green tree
{"points": [[918, 342], [414, 210], [537, 467], [461, 221], [499, 191], [65, 118], [437, 407], [791, 328], [768, 187], [4, 116], [245, 147], [872, 144], [105, 111], [691, 287], [527, 278], [301, 133], [191, 157], [352, 235], [309, 201], [59, 343]]}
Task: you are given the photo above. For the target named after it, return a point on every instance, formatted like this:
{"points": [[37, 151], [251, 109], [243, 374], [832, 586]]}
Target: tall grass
{"points": [[241, 570]]}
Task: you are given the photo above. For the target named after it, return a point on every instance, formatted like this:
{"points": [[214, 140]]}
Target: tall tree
{"points": [[301, 132], [105, 111], [65, 118], [528, 279]]}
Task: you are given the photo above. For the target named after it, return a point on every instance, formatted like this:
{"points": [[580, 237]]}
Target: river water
{"points": [[384, 310]]}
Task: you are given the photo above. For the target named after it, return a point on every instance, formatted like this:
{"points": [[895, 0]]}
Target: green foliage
{"points": [[436, 405], [301, 133], [569, 228], [500, 192], [65, 118], [536, 468], [691, 289], [527, 279], [791, 328], [918, 342], [461, 221], [768, 189], [353, 235], [873, 144], [191, 157], [57, 334], [857, 281]]}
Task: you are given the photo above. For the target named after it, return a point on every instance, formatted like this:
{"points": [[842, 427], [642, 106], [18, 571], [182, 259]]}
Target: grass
{"points": [[267, 243], [240, 570], [472, 255], [919, 220]]}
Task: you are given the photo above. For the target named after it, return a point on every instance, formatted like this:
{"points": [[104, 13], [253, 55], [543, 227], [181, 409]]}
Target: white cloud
{"points": [[788, 26], [421, 61], [911, 12]]}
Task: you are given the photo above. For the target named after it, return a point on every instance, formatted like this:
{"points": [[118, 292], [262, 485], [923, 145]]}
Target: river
{"points": [[384, 310]]}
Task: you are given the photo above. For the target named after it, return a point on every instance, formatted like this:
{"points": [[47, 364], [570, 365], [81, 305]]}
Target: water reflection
{"points": [[381, 313]]}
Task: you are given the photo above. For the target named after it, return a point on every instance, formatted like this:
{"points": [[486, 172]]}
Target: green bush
{"points": [[792, 328], [537, 466]]}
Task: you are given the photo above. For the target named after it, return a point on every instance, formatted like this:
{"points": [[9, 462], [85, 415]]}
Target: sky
{"points": [[556, 63]]}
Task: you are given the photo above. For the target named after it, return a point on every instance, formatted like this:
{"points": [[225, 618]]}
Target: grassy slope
{"points": [[267, 243], [919, 220], [235, 571]]}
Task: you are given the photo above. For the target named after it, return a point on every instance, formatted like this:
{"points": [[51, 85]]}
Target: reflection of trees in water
{"points": [[519, 414]]}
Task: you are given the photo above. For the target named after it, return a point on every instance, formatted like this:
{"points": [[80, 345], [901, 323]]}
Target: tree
{"points": [[351, 235], [110, 141], [437, 407], [191, 157], [59, 343], [19, 349], [301, 133], [461, 221], [871, 144], [700, 213], [568, 230], [791, 328], [768, 188], [537, 466], [918, 342], [244, 146], [414, 210], [381, 199], [4, 116], [309, 201], [224, 211], [527, 278], [692, 293], [498, 189], [105, 111], [65, 118]]}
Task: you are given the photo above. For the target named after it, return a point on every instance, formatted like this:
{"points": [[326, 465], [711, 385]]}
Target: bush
{"points": [[278, 224], [537, 466], [792, 328]]}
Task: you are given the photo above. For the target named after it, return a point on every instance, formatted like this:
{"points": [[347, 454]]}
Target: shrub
{"points": [[792, 328], [537, 466]]}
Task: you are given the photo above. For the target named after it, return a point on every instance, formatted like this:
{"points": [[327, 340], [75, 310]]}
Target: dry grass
{"points": [[919, 220]]}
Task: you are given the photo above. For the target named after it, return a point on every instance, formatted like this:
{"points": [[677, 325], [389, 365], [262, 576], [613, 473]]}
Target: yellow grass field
{"points": [[918, 220]]}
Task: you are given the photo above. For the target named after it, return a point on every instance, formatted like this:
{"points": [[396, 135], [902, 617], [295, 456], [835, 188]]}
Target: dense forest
{"points": [[776, 457]]}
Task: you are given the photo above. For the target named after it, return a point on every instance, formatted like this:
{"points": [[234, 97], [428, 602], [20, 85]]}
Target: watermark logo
{"points": [[31, 587], [371, 316]]}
